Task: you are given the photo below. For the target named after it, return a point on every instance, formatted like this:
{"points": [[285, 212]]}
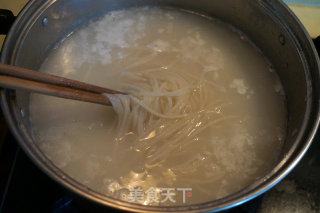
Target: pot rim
{"points": [[309, 127]]}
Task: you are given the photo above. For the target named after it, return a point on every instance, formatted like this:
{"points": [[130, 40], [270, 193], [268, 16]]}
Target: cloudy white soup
{"points": [[204, 115]]}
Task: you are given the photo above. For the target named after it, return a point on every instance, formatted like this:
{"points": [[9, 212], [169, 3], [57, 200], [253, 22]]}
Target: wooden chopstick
{"points": [[28, 74], [13, 77], [53, 90]]}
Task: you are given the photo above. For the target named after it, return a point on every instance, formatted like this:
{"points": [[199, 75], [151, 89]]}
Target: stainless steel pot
{"points": [[270, 25]]}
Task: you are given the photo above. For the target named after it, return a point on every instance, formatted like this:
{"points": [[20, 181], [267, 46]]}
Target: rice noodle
{"points": [[163, 105]]}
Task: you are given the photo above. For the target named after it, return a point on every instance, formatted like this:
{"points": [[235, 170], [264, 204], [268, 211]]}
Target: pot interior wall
{"points": [[267, 28]]}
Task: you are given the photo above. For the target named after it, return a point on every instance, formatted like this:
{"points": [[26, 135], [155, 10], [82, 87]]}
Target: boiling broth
{"points": [[81, 138]]}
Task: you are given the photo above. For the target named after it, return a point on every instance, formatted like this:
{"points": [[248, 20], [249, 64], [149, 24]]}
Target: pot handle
{"points": [[6, 20]]}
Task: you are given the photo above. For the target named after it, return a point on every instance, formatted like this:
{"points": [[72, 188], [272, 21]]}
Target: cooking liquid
{"points": [[79, 137]]}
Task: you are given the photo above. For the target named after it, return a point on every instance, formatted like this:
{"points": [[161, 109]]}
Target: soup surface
{"points": [[205, 116]]}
